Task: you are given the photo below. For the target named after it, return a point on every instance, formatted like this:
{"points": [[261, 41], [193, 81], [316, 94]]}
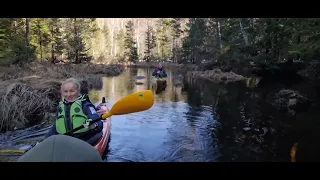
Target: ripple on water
{"points": [[193, 140], [166, 132]]}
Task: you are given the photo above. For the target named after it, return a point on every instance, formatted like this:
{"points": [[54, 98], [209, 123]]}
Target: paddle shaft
{"points": [[82, 126]]}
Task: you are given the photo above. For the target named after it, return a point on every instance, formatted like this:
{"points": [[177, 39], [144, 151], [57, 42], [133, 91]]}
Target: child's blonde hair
{"points": [[74, 81]]}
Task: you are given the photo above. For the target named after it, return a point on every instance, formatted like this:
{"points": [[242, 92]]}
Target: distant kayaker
{"points": [[74, 110], [159, 71]]}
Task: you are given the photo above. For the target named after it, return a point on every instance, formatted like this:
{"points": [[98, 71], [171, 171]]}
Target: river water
{"points": [[198, 121]]}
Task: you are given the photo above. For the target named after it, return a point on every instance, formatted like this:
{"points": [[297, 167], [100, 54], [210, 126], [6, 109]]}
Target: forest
{"points": [[181, 40]]}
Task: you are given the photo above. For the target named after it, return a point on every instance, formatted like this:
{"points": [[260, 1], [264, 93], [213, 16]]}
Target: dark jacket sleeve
{"points": [[90, 110], [164, 74], [53, 130], [154, 72]]}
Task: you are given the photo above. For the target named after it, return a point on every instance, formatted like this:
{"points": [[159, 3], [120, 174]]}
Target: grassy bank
{"points": [[29, 94]]}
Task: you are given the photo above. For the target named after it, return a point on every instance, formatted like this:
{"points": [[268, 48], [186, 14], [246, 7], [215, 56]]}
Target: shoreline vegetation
{"points": [[29, 94], [215, 74]]}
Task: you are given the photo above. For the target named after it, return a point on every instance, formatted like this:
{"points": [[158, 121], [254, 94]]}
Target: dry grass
{"points": [[59, 71], [91, 82], [216, 75], [28, 94], [23, 105]]}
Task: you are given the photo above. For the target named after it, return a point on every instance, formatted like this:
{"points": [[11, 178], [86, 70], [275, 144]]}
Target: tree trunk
{"points": [[218, 37], [243, 33], [27, 31], [76, 41]]}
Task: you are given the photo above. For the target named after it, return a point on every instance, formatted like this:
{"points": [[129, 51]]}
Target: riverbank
{"points": [[284, 98], [283, 72], [214, 74], [171, 66], [29, 94]]}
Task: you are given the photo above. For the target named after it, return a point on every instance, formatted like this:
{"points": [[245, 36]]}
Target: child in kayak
{"points": [[159, 71], [74, 110]]}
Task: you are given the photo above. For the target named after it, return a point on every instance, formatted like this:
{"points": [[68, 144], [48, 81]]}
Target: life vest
{"points": [[71, 116]]}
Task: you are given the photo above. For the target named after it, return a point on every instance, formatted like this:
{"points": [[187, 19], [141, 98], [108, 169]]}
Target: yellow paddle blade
{"points": [[135, 102], [293, 152]]}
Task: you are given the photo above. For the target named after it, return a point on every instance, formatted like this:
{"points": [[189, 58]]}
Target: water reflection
{"points": [[171, 130], [116, 87], [196, 120]]}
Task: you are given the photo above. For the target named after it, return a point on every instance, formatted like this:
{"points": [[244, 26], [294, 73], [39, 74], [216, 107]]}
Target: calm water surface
{"points": [[196, 120]]}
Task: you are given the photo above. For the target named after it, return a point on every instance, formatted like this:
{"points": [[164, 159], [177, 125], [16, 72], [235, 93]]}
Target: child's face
{"points": [[70, 92]]}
